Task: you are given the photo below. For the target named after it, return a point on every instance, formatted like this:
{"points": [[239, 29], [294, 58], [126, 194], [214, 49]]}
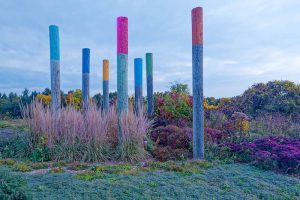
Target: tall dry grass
{"points": [[90, 136]]}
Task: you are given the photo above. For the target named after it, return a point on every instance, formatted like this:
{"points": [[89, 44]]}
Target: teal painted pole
{"points": [[149, 74], [138, 85], [122, 71], [55, 72], [85, 78], [198, 110]]}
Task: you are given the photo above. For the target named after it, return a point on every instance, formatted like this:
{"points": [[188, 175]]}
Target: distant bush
{"points": [[274, 96], [84, 137]]}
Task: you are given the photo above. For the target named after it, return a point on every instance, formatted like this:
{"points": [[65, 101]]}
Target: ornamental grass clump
{"points": [[134, 134], [89, 136]]}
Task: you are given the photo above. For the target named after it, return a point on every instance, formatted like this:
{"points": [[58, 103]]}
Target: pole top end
{"points": [[53, 27], [85, 49], [122, 19], [197, 9]]}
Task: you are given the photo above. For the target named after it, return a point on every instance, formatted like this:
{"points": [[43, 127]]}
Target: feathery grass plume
{"points": [[134, 131], [90, 137]]}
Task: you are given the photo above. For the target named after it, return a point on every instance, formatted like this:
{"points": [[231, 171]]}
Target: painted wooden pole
{"points": [[105, 104], [138, 85], [149, 74], [55, 72], [122, 70], [85, 78], [198, 110]]}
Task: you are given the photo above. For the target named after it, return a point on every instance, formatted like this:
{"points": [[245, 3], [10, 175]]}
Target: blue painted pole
{"points": [[85, 78], [138, 85], [149, 75], [55, 72], [105, 85], [122, 71], [198, 110]]}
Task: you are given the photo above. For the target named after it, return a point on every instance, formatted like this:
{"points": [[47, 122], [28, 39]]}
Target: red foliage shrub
{"points": [[172, 136], [171, 142], [214, 135]]}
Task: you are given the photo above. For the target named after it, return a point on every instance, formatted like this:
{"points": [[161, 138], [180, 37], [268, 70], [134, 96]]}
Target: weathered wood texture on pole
{"points": [[105, 104], [149, 75], [85, 77], [198, 110], [138, 85], [122, 70], [55, 71]]}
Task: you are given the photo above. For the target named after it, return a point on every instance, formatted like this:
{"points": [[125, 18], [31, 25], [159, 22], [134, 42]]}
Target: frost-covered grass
{"points": [[231, 181]]}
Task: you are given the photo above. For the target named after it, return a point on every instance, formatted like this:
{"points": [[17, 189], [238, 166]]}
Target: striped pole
{"points": [[138, 85], [198, 111], [149, 74], [105, 85], [55, 72], [85, 78], [122, 70]]}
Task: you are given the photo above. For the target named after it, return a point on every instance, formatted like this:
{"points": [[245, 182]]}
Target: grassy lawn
{"points": [[174, 180], [14, 125], [231, 181]]}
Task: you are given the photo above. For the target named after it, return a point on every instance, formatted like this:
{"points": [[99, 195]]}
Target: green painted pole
{"points": [[149, 74]]}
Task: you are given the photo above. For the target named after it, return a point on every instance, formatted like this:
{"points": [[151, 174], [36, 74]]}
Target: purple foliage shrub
{"points": [[273, 152]]}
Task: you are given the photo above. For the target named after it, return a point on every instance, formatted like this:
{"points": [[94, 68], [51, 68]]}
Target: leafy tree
{"points": [[180, 88], [272, 97]]}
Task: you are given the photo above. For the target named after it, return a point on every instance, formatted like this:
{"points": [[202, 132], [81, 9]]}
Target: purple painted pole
{"points": [[198, 111], [122, 71]]}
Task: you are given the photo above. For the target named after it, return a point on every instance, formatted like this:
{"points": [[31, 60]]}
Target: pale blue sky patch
{"points": [[244, 42]]}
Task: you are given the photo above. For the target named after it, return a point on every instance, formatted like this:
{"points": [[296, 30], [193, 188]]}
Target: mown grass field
{"points": [[230, 181], [209, 181]]}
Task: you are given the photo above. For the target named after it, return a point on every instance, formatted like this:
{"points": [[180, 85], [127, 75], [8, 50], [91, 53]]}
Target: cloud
{"points": [[244, 42]]}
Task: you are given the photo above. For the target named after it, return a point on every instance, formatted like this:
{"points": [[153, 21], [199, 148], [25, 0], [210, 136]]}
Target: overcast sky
{"points": [[245, 42]]}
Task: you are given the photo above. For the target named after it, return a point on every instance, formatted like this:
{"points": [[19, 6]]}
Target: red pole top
{"points": [[122, 35], [197, 25]]}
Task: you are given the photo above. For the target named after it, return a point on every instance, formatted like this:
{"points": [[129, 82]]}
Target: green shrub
{"points": [[15, 147], [57, 170], [21, 167], [182, 167], [59, 164], [13, 187], [77, 166], [7, 162], [88, 176], [40, 154], [39, 165], [114, 169]]}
